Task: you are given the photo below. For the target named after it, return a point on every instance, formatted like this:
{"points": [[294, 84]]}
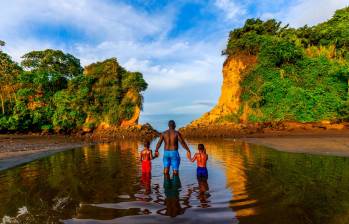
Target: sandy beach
{"points": [[337, 145], [19, 149]]}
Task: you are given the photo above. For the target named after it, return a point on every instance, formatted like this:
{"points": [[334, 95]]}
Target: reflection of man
{"points": [[171, 155], [171, 187]]}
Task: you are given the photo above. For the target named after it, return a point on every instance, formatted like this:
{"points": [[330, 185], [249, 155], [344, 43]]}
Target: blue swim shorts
{"points": [[201, 172], [171, 158]]}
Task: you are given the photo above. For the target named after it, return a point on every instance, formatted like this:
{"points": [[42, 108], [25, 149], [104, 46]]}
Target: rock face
{"points": [[229, 102], [116, 95], [140, 132], [133, 97]]}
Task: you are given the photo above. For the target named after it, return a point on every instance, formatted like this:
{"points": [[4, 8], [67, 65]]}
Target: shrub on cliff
{"points": [[301, 74]]}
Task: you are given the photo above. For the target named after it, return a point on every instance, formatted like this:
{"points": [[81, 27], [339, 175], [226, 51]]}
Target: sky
{"points": [[175, 44]]}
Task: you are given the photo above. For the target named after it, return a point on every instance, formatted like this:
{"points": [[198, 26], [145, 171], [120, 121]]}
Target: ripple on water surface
{"points": [[246, 184]]}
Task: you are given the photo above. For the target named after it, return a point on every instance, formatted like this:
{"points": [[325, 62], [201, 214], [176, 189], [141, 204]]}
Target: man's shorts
{"points": [[171, 158]]}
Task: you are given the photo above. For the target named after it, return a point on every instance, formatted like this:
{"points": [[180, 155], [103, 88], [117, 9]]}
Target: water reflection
{"points": [[204, 194], [247, 184], [173, 206], [146, 183]]}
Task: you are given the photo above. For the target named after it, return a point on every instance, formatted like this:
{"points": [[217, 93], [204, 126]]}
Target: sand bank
{"points": [[19, 149], [337, 145]]}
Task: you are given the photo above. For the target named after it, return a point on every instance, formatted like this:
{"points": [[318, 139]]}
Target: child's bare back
{"points": [[201, 158], [146, 156]]}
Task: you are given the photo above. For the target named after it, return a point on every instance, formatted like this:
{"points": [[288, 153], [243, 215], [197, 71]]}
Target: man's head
{"points": [[172, 124]]}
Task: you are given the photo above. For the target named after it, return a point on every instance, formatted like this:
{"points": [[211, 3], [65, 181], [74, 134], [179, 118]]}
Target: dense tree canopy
{"points": [[52, 62], [301, 74], [9, 72], [53, 93]]}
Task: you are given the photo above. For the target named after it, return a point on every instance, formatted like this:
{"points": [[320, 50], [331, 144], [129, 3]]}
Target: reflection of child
{"points": [[146, 156], [203, 195], [146, 181], [201, 157]]}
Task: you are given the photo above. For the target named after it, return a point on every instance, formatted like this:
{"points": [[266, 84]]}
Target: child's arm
{"points": [[140, 156], [193, 159], [151, 155]]}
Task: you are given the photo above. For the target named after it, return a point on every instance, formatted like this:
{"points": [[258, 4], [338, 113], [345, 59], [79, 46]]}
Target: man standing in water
{"points": [[171, 155]]}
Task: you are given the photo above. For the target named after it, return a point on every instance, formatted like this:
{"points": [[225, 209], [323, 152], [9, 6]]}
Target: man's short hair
{"points": [[171, 124]]}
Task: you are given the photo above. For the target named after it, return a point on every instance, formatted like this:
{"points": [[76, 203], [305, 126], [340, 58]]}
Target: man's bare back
{"points": [[171, 137]]}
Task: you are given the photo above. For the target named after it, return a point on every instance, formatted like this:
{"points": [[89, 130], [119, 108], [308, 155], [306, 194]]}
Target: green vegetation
{"points": [[50, 91], [301, 74]]}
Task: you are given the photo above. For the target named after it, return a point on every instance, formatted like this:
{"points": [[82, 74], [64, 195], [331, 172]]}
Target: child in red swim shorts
{"points": [[146, 156]]}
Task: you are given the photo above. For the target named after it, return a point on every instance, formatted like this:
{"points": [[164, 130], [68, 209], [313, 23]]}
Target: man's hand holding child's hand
{"points": [[189, 155]]}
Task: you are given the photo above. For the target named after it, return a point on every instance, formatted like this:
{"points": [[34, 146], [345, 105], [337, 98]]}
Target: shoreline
{"points": [[17, 149], [335, 145], [267, 129], [20, 149]]}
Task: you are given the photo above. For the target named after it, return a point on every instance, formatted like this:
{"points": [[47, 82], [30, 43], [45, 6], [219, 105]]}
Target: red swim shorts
{"points": [[146, 166]]}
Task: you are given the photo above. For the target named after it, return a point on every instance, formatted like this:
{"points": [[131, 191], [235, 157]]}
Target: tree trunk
{"points": [[14, 92], [2, 104]]}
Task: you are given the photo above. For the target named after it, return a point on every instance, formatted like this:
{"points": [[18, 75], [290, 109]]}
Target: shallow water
{"points": [[246, 184]]}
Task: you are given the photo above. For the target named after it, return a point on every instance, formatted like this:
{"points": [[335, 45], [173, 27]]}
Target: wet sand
{"points": [[19, 149], [337, 145]]}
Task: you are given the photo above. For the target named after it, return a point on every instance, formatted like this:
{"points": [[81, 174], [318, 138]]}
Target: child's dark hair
{"points": [[201, 147], [146, 143]]}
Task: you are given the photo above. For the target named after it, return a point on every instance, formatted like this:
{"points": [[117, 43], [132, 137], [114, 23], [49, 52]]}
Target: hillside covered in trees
{"points": [[51, 92], [298, 75]]}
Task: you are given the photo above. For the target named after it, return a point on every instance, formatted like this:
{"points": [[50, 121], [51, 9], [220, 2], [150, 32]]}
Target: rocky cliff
{"points": [[229, 102], [115, 95]]}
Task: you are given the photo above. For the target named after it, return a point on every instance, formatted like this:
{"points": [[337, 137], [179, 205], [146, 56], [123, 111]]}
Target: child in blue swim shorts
{"points": [[201, 157]]}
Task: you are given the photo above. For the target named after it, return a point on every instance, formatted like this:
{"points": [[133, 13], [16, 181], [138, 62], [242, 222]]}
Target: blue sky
{"points": [[176, 44]]}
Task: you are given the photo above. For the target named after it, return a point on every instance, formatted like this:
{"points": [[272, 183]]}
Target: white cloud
{"points": [[18, 47], [190, 109], [172, 76], [307, 12], [231, 8], [165, 68], [172, 107], [98, 18], [104, 29]]}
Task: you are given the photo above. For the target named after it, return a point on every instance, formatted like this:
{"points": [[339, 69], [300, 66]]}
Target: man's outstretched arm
{"points": [[158, 145], [184, 145]]}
